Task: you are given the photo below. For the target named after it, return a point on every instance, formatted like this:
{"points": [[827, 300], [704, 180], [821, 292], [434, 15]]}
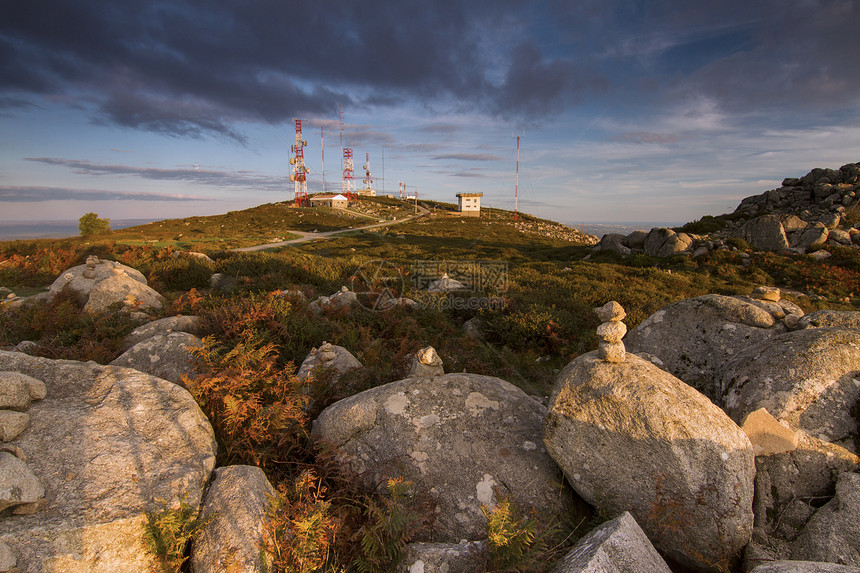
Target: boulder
{"points": [[235, 509], [167, 356], [804, 378], [463, 437], [839, 236], [694, 337], [785, 566], [635, 240], [463, 557], [14, 394], [833, 533], [111, 442], [765, 233], [81, 279], [474, 328], [337, 360], [613, 242], [125, 290], [767, 435], [831, 318], [617, 546], [632, 437], [344, 298], [814, 236], [445, 284], [179, 323], [18, 484], [425, 362], [655, 240], [675, 245]]}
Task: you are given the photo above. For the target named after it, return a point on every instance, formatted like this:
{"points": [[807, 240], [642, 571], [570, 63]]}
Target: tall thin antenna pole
{"points": [[340, 113], [383, 171], [517, 184], [322, 152]]}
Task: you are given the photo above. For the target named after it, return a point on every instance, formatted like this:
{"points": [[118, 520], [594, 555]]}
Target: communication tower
{"points": [[348, 181], [299, 176], [368, 180]]}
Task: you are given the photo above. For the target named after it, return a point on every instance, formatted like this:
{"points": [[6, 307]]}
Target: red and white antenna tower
{"points": [[368, 180], [401, 190], [348, 181], [322, 155], [299, 175]]}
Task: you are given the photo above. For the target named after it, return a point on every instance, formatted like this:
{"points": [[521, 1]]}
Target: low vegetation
{"points": [[540, 319]]}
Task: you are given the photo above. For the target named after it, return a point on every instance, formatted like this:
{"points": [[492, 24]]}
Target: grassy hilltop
{"points": [[541, 318]]}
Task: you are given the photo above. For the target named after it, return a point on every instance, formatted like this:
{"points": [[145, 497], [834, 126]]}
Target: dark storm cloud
{"points": [[40, 194], [193, 68], [214, 178]]}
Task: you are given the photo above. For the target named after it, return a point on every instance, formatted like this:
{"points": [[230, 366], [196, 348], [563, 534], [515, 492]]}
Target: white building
{"points": [[469, 204]]}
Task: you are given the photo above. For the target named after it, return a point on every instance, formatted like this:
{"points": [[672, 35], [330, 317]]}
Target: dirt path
{"points": [[306, 236]]}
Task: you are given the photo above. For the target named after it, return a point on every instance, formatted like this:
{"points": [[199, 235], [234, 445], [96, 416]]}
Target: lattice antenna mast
{"points": [[348, 181], [368, 180], [299, 176]]}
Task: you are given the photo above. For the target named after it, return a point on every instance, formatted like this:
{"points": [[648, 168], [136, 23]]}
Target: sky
{"points": [[626, 110]]}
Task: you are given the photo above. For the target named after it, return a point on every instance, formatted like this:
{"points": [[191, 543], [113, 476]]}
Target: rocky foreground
{"points": [[720, 434]]}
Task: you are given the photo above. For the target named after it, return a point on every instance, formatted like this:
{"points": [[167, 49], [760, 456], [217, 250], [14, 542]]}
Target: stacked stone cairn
{"points": [[90, 271], [610, 333]]}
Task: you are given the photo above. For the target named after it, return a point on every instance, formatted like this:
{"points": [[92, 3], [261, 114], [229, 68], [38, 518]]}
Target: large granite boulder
{"points": [[133, 295], [18, 485], [766, 233], [617, 546], [81, 278], [694, 337], [166, 356], [655, 240], [632, 437], [613, 242], [805, 378], [462, 437], [234, 510], [107, 443]]}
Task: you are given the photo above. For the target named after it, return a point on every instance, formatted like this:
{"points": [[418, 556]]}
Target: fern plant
{"points": [[510, 537], [168, 531]]}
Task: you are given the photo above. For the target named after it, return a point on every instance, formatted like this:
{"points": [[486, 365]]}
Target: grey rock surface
{"points": [[111, 442], [18, 484], [74, 279], [167, 356], [122, 289], [695, 337], [804, 378], [766, 233], [12, 424], [335, 359], [833, 533], [179, 323], [235, 507], [831, 318], [7, 558], [632, 437], [425, 362], [462, 437], [617, 546], [423, 557]]}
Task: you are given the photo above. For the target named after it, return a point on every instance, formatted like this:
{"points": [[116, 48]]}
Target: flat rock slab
{"points": [[462, 437], [107, 443], [804, 567]]}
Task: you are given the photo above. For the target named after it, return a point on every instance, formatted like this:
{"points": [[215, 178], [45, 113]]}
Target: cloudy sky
{"points": [[628, 110]]}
